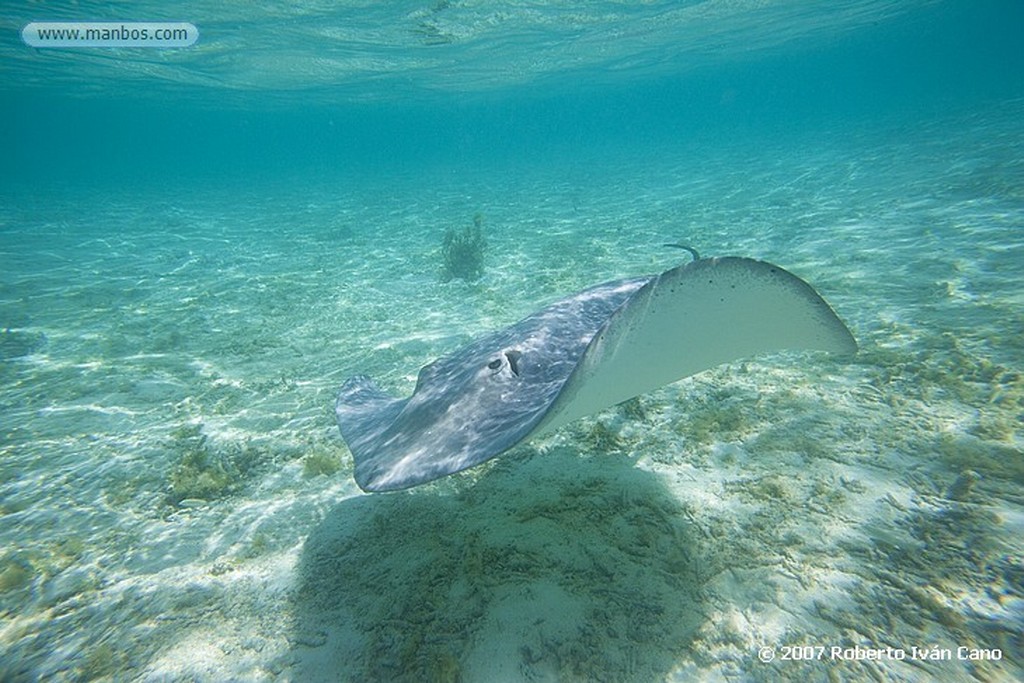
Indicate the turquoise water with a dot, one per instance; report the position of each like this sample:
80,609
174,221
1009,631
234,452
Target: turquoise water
198,246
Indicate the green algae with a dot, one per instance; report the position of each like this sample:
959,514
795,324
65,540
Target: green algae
15,573
321,462
601,438
462,252
987,458
942,364
20,343
709,423
101,662
204,471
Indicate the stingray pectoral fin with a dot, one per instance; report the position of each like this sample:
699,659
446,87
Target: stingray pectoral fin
692,318
365,412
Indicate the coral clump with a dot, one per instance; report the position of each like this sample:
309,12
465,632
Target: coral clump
463,252
203,471
320,462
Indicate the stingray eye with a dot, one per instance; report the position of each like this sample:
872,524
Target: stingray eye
494,364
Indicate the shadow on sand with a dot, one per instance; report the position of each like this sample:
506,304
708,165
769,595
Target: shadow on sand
548,567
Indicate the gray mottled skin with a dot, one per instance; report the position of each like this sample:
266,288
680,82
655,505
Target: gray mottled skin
476,403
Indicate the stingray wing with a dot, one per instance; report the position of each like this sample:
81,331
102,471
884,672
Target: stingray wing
691,318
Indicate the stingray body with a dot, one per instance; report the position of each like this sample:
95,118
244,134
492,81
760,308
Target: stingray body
580,355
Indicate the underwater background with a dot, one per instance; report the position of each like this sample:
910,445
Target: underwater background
199,245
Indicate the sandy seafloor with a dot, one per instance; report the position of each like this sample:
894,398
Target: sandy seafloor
176,502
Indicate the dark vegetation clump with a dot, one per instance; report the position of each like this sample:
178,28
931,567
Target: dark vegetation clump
17,343
205,472
463,252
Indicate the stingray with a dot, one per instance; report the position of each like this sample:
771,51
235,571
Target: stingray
582,354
